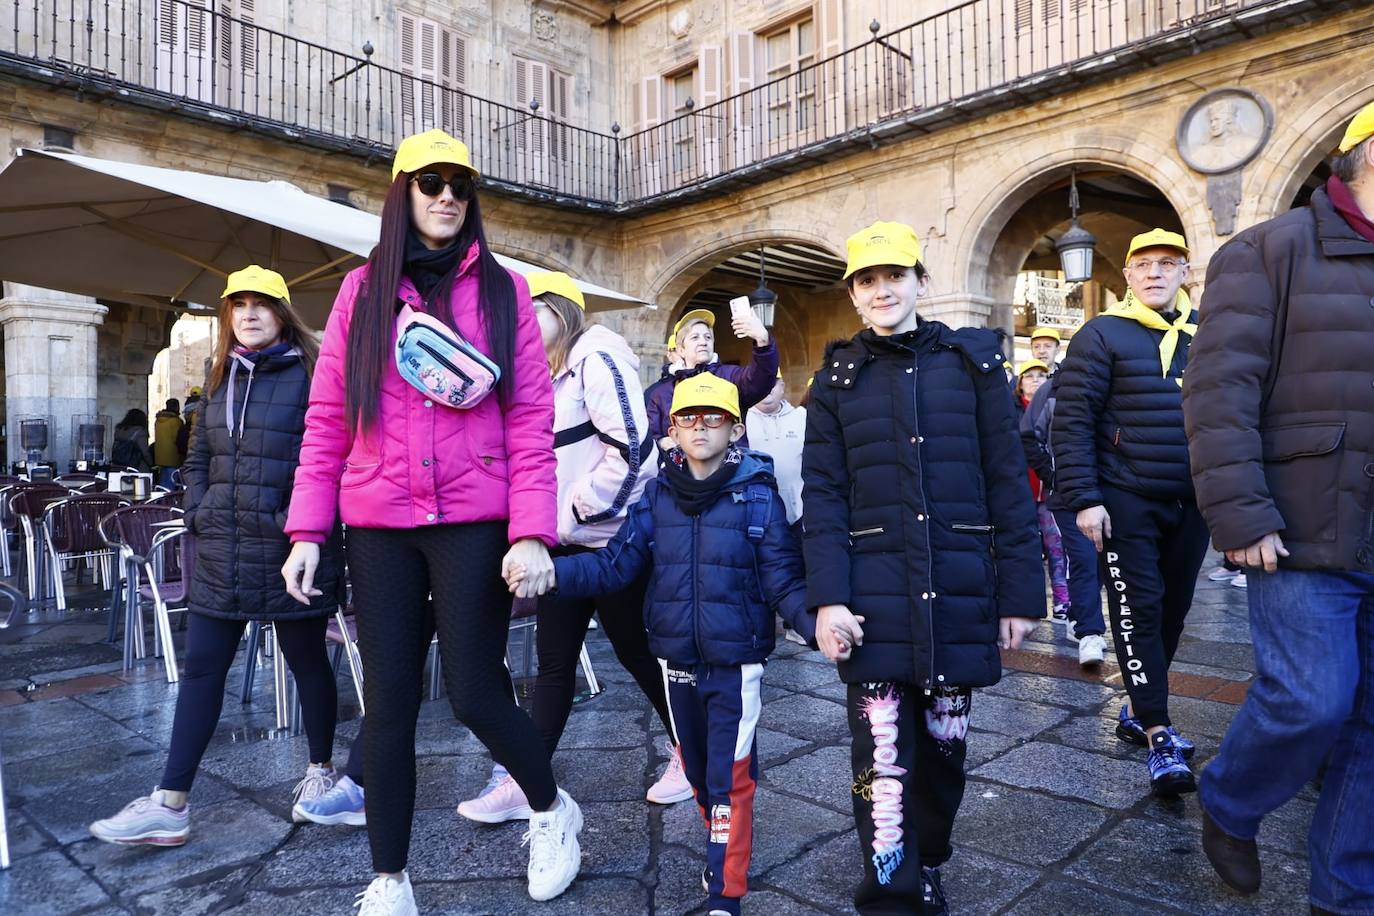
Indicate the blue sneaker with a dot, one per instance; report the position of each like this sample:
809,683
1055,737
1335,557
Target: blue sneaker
1169,773
342,804
1185,747
1129,729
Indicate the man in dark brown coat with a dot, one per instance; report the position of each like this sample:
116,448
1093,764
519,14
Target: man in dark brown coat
1279,406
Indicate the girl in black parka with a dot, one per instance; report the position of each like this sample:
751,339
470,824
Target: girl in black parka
239,472
922,556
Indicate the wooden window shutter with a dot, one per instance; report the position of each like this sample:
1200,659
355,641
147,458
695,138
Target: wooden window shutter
167,13
1050,10
1023,14
711,73
408,60
740,60
248,35
741,113
652,108
453,77
559,95
831,114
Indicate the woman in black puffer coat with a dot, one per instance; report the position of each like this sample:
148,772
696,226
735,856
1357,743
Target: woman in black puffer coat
239,474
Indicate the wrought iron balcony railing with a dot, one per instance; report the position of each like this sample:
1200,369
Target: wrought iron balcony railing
187,56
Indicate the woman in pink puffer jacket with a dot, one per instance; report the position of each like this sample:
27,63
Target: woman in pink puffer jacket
439,501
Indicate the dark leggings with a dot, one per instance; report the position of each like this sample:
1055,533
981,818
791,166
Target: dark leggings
211,644
394,572
561,631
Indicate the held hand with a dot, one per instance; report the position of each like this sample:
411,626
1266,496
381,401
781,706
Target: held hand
299,571
838,631
1264,553
1096,525
750,326
1012,630
528,563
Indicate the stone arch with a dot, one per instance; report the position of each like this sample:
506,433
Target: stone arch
1132,155
1301,143
677,277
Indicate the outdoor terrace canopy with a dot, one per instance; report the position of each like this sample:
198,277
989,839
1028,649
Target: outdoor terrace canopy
154,236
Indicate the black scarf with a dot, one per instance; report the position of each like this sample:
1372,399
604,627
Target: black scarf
427,267
695,496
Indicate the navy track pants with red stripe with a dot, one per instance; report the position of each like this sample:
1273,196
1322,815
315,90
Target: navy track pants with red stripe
715,714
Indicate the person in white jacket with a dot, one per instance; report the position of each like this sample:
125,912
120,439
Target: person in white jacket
778,429
605,456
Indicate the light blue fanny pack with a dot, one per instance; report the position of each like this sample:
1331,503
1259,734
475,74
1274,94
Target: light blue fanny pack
438,362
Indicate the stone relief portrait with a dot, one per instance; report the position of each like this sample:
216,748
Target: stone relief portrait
1223,130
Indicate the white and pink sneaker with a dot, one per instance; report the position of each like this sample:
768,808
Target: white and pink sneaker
672,787
501,800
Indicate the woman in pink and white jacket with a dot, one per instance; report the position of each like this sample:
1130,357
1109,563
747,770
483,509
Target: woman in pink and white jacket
605,454
439,501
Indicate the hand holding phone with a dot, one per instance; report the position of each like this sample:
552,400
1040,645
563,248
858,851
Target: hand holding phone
745,322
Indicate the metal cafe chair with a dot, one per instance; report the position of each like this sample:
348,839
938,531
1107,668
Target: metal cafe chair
130,531
71,533
26,503
17,602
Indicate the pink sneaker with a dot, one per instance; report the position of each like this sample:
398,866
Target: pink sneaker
501,801
672,786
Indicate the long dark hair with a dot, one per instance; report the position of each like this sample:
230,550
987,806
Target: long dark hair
293,331
374,312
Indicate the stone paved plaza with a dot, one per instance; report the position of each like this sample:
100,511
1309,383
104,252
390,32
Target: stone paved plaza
1057,817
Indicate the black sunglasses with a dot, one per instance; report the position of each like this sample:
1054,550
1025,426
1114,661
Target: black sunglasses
712,420
431,184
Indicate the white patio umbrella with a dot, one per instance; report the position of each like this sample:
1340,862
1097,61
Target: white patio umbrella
149,235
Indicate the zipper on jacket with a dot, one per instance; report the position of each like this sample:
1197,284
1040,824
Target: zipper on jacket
865,532
696,606
921,486
976,529
443,361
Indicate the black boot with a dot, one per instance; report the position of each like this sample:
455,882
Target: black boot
933,894
1236,861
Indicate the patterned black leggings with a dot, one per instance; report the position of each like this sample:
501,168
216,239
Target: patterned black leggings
394,572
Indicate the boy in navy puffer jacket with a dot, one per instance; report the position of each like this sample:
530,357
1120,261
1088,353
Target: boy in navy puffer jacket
715,531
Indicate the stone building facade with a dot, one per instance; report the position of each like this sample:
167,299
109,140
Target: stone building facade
660,146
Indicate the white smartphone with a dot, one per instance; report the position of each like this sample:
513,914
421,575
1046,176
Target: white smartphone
740,307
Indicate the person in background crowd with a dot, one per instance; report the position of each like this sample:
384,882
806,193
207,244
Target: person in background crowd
1121,463
190,416
1085,624
167,429
601,440
1031,375
441,492
238,486
778,430
671,364
1044,344
130,447
694,335
913,470
1230,572
714,534
1279,402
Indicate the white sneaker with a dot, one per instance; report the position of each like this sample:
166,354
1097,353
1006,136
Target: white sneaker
1092,651
502,800
1239,581
672,787
316,784
1222,574
388,897
555,855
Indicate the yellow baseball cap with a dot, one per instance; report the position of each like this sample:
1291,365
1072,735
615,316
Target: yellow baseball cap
1361,129
196,391
882,243
255,279
672,341
705,315
1157,238
431,148
1031,364
556,282
1046,332
706,390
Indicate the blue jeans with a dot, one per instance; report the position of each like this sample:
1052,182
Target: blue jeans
1085,588
1313,696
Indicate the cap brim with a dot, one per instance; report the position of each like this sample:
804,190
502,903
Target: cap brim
876,261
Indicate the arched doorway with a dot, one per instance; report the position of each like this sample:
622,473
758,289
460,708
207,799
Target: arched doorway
1023,277
812,305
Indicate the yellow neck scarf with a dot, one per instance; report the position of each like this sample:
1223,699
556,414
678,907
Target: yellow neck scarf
1136,310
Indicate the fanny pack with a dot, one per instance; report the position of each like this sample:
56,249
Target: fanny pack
436,360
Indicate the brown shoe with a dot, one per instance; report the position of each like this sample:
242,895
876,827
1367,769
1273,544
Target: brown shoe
1236,861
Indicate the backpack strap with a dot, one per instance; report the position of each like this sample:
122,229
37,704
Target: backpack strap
758,501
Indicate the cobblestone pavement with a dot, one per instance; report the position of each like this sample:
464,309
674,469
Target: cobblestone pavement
1057,817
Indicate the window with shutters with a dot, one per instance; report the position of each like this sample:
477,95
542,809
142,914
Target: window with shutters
434,61
681,89
542,138
185,61
1023,14
1050,10
790,49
